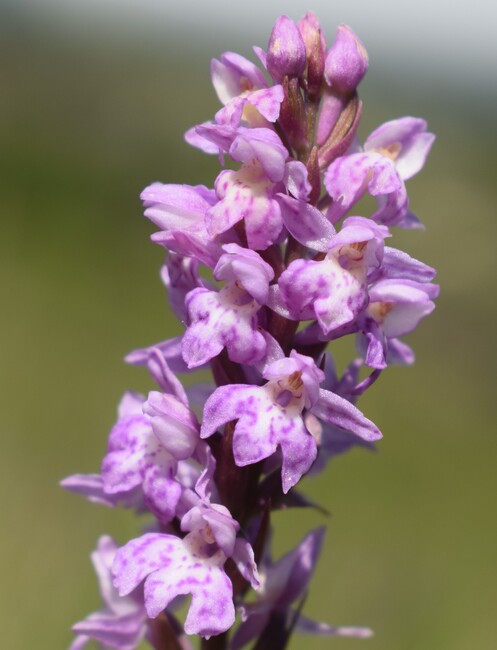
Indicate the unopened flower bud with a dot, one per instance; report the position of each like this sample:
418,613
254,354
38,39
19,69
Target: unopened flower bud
346,62
286,50
315,46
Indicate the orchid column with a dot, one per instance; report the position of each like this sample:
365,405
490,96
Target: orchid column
264,271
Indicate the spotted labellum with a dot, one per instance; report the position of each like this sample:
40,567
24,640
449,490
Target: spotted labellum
265,269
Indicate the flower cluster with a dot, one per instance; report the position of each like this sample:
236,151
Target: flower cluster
264,270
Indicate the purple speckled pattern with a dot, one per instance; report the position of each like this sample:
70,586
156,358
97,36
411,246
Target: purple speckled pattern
224,319
266,268
271,416
171,566
249,195
262,426
348,178
334,290
144,449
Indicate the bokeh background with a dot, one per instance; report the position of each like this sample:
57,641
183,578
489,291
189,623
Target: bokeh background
95,98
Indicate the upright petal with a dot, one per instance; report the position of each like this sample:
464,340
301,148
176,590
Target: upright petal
406,140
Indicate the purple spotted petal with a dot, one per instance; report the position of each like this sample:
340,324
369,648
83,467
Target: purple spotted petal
172,567
262,426
299,287
218,320
227,403
253,439
334,290
211,611
132,444
161,491
323,290
137,459
140,557
349,177
298,448
246,194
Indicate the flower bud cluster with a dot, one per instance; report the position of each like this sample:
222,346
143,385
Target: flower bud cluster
264,270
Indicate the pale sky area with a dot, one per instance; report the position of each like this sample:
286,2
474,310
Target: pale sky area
449,40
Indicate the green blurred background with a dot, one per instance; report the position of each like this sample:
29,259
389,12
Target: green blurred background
88,117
